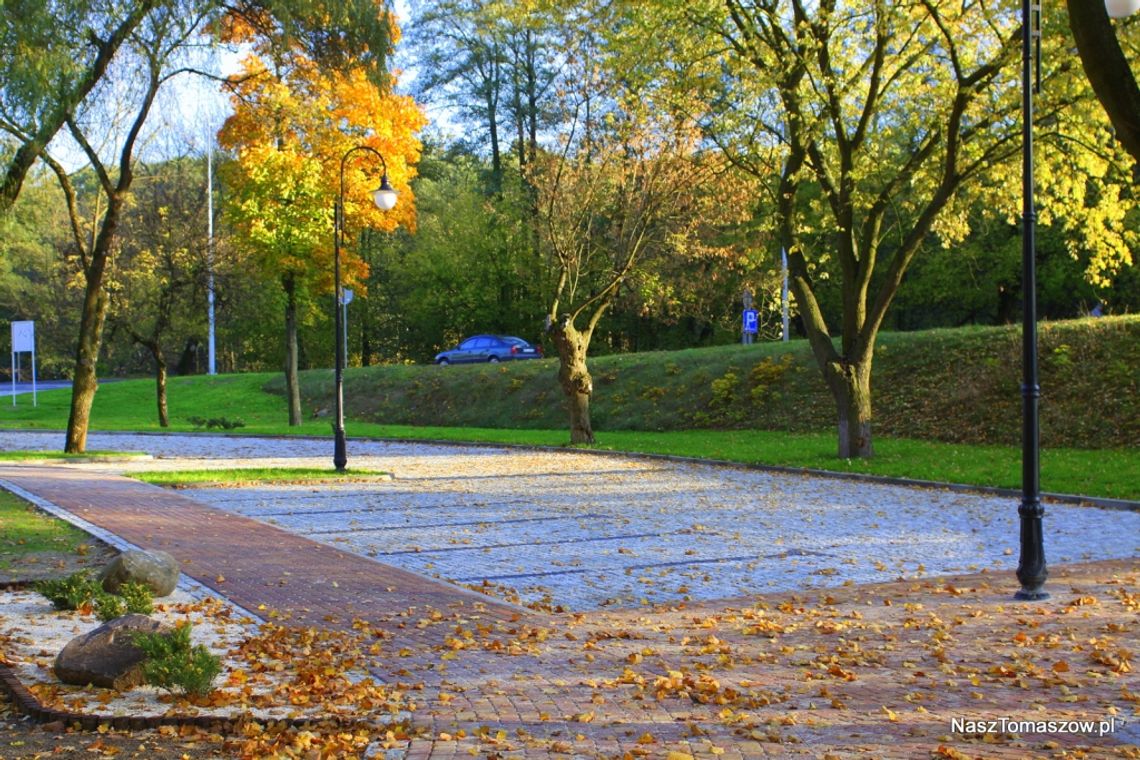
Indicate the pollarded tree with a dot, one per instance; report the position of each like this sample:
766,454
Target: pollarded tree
292,124
624,187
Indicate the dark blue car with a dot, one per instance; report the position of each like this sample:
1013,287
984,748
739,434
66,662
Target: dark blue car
489,348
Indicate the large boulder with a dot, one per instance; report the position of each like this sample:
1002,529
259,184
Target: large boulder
107,655
153,568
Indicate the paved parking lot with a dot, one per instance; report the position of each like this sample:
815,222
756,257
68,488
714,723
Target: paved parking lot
582,531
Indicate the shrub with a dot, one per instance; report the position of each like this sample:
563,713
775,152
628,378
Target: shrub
109,606
215,422
80,590
138,597
70,593
724,390
765,374
174,664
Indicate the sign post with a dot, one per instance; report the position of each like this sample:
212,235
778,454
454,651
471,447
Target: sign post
750,324
23,341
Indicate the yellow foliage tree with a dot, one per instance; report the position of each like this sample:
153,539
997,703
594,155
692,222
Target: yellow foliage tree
293,122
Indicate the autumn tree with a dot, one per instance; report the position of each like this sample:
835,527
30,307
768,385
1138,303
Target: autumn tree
292,123
67,63
54,56
863,122
617,192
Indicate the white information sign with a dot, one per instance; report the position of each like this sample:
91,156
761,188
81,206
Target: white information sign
24,337
23,342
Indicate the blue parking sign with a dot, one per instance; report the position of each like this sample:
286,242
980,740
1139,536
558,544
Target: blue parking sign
750,321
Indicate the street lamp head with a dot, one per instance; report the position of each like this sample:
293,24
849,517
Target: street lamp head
1122,8
384,196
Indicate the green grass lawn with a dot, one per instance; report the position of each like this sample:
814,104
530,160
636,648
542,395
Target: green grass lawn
25,530
129,405
239,476
23,456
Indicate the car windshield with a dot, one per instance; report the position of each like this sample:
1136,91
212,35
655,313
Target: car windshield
514,341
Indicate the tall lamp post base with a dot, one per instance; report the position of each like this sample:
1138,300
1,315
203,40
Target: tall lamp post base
340,450
1031,570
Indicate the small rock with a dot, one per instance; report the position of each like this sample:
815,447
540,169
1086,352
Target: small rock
154,568
106,656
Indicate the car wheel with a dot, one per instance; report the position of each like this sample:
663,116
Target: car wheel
443,362
492,359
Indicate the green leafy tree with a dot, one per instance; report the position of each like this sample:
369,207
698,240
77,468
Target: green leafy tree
470,267
153,295
864,123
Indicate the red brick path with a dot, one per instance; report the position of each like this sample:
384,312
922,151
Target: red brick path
255,565
861,671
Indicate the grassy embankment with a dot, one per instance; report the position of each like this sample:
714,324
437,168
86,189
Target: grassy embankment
947,405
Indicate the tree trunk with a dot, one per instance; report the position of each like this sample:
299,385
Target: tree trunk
850,385
848,379
86,359
155,348
1108,70
91,323
574,376
160,387
292,384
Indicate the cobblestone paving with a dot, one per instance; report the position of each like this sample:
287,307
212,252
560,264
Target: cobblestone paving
850,670
582,532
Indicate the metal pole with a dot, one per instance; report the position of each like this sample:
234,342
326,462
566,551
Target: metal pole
344,325
340,452
340,449
211,365
784,292
1031,570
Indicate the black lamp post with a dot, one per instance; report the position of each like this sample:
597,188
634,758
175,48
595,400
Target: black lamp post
385,198
1031,569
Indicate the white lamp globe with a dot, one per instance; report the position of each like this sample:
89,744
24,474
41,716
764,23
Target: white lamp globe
384,196
1121,8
